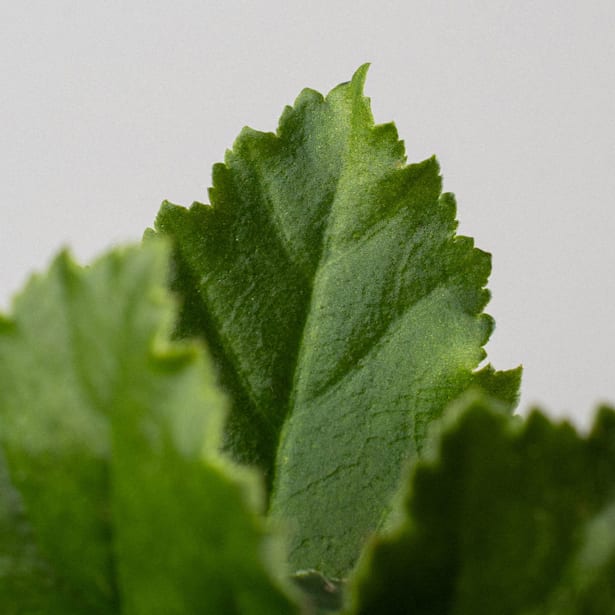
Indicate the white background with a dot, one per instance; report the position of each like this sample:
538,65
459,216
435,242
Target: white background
107,108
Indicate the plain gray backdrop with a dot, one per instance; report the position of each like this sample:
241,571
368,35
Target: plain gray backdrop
107,108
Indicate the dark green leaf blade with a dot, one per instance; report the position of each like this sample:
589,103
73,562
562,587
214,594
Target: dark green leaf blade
343,311
587,585
501,385
498,521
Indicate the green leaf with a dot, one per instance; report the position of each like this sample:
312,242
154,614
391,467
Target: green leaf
509,517
55,440
587,585
500,385
342,311
111,435
27,582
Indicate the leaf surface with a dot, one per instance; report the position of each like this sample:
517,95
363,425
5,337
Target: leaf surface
509,517
56,443
341,308
27,582
587,584
111,434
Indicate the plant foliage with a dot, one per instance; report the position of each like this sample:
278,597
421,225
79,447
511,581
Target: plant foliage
275,404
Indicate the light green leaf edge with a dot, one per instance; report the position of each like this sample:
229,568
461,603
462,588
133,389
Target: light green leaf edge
506,516
115,487
341,309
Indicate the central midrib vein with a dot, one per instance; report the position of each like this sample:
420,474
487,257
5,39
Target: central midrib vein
322,258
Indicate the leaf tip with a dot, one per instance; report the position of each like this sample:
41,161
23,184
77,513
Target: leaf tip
360,75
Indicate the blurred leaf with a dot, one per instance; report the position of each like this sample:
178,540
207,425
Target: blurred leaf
513,518
116,493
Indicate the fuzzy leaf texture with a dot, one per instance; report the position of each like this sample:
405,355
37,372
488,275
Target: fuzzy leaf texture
342,310
510,516
113,498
